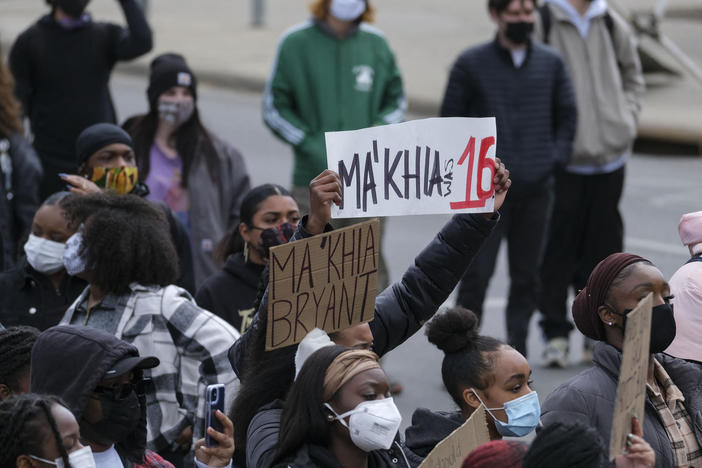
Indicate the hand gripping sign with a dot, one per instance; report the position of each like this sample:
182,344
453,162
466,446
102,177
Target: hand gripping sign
430,166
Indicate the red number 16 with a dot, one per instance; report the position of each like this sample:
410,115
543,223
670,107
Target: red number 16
483,163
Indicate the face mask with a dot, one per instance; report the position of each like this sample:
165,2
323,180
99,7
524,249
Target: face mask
372,424
175,112
347,10
44,255
522,415
278,235
82,458
119,418
663,327
120,179
73,8
518,32
73,258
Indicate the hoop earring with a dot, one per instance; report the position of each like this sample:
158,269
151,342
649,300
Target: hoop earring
246,252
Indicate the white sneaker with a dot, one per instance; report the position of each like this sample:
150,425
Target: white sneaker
556,353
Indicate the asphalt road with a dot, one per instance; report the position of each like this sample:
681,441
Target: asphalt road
658,191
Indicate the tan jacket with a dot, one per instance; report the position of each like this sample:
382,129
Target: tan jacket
608,83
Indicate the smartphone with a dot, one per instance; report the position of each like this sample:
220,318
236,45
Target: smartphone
214,400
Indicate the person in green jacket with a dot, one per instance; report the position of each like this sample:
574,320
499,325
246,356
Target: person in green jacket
333,72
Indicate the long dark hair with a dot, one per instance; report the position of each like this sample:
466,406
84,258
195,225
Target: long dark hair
25,419
303,420
233,242
190,137
125,239
266,375
468,360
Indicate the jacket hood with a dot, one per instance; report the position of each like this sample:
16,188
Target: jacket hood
69,361
246,272
429,428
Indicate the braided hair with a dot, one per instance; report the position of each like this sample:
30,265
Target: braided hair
23,423
15,354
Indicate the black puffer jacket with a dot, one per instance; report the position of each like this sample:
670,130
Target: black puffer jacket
589,397
400,310
20,174
428,429
314,456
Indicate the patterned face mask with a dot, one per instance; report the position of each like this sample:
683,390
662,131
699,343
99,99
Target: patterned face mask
120,179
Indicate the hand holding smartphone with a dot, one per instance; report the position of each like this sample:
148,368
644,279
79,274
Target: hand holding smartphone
214,400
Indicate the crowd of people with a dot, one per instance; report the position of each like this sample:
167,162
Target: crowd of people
134,258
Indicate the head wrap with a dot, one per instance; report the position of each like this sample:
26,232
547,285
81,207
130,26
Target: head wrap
690,230
97,136
593,295
346,366
166,71
502,453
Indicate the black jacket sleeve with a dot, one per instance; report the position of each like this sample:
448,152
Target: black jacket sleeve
26,175
136,39
22,72
457,94
401,309
564,115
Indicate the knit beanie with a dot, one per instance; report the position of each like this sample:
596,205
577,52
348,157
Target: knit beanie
690,230
593,295
168,70
502,453
97,137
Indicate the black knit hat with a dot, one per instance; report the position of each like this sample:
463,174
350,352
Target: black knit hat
168,70
97,137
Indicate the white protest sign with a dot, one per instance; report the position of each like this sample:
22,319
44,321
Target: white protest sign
430,166
631,388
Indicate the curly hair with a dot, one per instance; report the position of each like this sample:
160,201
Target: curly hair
320,10
125,240
25,419
16,345
10,110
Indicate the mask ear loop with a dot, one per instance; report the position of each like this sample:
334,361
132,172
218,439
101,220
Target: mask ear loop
337,416
43,460
489,410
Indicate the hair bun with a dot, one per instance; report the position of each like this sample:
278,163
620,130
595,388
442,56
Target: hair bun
453,330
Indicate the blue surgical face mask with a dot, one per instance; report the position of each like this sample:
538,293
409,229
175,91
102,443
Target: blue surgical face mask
522,415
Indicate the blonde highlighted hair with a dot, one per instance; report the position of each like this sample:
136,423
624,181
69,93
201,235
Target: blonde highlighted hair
320,10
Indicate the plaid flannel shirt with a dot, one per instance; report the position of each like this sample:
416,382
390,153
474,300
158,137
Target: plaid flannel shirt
192,345
676,420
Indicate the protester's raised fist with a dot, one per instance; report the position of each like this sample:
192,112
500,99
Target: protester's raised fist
325,189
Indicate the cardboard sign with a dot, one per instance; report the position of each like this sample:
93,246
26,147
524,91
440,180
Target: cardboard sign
430,166
631,389
451,451
327,281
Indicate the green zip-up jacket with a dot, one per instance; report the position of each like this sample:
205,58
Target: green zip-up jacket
321,83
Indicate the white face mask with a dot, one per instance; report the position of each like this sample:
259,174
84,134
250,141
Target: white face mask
82,458
44,255
347,10
176,112
372,424
72,258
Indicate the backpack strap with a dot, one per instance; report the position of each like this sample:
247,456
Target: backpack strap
545,15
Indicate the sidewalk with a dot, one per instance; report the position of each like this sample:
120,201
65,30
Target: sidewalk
426,36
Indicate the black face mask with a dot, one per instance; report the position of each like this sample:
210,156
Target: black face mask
119,419
278,235
73,8
518,32
662,327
